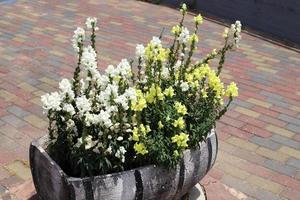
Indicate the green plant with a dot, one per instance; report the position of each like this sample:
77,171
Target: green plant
103,123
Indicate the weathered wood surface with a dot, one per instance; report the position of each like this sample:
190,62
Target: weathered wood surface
144,183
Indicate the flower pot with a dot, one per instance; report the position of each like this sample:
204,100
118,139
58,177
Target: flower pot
148,182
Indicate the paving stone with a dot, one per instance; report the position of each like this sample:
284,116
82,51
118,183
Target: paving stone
280,167
289,119
274,155
286,141
19,169
225,192
249,189
259,102
16,110
242,143
290,151
243,104
233,171
294,162
294,128
35,121
248,112
280,131
265,184
3,173
291,194
279,103
272,95
3,190
11,181
13,120
266,142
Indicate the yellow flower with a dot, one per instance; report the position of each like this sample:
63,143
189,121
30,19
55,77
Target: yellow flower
159,93
140,148
149,52
168,118
162,54
189,77
139,105
180,108
201,72
135,134
179,123
195,84
216,84
176,30
176,154
144,129
155,91
160,125
193,38
232,90
198,19
181,140
204,93
177,75
169,92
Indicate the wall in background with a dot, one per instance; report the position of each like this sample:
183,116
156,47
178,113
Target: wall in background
277,18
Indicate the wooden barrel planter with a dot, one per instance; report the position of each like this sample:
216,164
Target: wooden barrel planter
144,183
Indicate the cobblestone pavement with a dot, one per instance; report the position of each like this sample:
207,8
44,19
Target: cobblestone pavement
259,155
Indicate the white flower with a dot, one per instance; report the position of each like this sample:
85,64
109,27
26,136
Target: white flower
69,108
120,138
90,22
165,72
155,41
122,100
78,37
111,109
177,65
79,142
89,143
225,33
70,124
139,51
89,58
112,71
130,93
103,81
109,150
120,153
83,105
184,35
184,86
51,101
109,137
82,86
124,68
91,119
66,88
104,117
234,33
214,52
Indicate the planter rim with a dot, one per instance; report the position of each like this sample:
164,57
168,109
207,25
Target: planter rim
71,178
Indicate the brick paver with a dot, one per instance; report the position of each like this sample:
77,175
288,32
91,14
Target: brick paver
259,137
